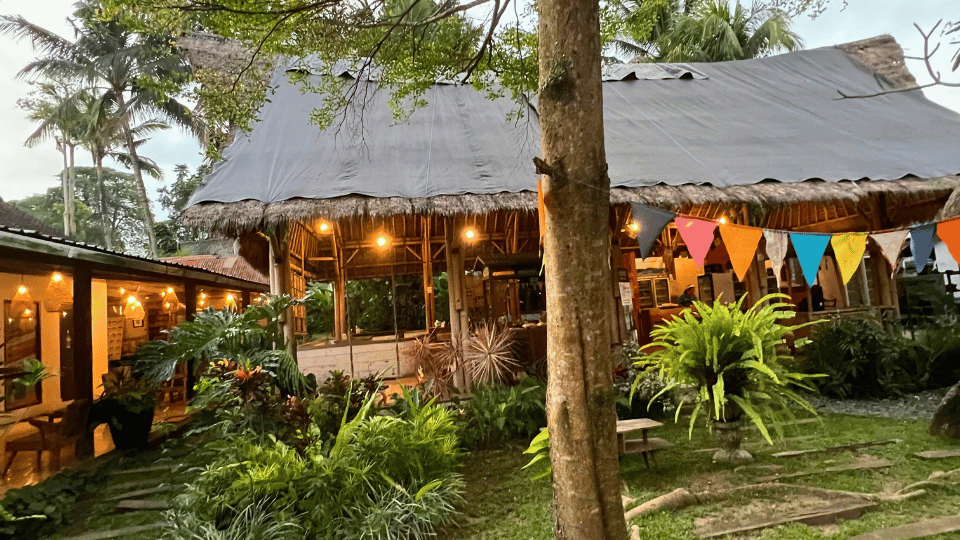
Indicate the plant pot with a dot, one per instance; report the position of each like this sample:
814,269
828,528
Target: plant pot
730,436
129,429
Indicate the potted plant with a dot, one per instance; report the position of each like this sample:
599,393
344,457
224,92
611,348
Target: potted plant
126,406
733,359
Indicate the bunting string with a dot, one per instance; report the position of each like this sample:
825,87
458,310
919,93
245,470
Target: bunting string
743,241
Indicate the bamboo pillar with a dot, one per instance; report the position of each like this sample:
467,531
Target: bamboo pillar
618,327
426,254
629,261
513,286
459,321
281,282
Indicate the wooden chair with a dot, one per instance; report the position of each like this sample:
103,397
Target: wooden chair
60,429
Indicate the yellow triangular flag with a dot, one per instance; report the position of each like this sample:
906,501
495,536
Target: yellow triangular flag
741,243
848,248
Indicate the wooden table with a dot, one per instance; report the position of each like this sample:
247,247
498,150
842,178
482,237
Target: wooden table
644,445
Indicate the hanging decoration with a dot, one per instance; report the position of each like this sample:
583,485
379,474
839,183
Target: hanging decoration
171,302
945,260
949,233
921,244
21,304
698,235
742,243
650,222
848,249
891,243
776,250
809,248
58,293
134,309
230,303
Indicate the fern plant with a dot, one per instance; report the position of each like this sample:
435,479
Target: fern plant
734,359
225,335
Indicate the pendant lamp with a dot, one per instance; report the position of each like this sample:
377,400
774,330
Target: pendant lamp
21,301
134,309
58,293
171,302
230,303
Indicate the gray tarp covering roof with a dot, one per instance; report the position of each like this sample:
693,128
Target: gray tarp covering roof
736,123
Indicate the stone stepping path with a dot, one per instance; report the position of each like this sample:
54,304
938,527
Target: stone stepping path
939,454
152,468
920,529
872,464
141,492
142,504
116,533
834,449
824,515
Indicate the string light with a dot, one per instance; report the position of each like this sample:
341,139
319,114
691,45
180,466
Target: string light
722,220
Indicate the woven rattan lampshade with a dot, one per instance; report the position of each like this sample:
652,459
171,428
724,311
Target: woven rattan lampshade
58,293
21,302
171,302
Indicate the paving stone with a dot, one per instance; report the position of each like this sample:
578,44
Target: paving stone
117,533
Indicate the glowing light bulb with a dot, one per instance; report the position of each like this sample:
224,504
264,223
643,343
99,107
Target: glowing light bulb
26,312
22,289
382,241
633,226
722,220
470,233
324,226
122,290
57,277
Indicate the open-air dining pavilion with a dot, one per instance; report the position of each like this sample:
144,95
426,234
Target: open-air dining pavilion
80,309
763,143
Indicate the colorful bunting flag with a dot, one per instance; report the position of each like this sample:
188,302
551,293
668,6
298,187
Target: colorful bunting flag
809,248
949,233
717,254
921,244
891,243
945,260
651,221
698,235
776,250
741,245
848,249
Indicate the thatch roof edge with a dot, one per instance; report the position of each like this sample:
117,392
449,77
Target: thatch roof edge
233,218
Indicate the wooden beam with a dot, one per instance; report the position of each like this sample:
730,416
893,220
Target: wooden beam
429,310
83,346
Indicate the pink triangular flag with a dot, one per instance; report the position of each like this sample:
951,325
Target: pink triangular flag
698,235
890,244
776,250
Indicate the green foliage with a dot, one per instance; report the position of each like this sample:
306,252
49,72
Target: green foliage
734,359
123,219
123,387
540,450
319,304
371,305
217,335
862,359
497,414
34,372
253,521
39,510
382,476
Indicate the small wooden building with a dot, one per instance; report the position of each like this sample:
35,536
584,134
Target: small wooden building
762,142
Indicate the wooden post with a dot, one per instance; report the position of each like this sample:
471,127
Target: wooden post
244,300
190,313
459,321
426,254
618,327
629,261
83,347
281,282
756,274
513,286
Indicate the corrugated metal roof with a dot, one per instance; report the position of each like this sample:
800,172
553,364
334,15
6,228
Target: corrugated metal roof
235,266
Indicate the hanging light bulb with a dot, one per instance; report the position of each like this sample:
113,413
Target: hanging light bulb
171,303
134,310
57,293
324,226
383,241
470,234
21,301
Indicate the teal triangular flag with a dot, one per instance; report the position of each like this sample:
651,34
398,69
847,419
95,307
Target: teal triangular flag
921,244
651,221
809,248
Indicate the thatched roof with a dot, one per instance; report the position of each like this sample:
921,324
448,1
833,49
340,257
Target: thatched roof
882,55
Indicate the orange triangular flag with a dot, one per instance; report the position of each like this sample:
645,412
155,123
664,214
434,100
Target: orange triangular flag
741,243
848,249
949,233
541,210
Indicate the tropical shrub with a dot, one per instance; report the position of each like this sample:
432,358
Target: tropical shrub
497,414
382,477
39,510
863,360
734,359
629,372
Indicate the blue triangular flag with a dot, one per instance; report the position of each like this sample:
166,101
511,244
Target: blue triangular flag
650,221
809,248
921,244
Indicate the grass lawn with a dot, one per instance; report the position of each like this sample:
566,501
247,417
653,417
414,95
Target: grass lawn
503,502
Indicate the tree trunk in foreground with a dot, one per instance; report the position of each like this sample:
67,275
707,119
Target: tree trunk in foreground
580,397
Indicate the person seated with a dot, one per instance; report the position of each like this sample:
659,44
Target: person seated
687,298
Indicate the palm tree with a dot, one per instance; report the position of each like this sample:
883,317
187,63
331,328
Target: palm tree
121,66
55,106
714,32
699,31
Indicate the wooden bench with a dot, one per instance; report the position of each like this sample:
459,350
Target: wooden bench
645,445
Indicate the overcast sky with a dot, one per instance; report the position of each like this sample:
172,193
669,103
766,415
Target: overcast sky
31,170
